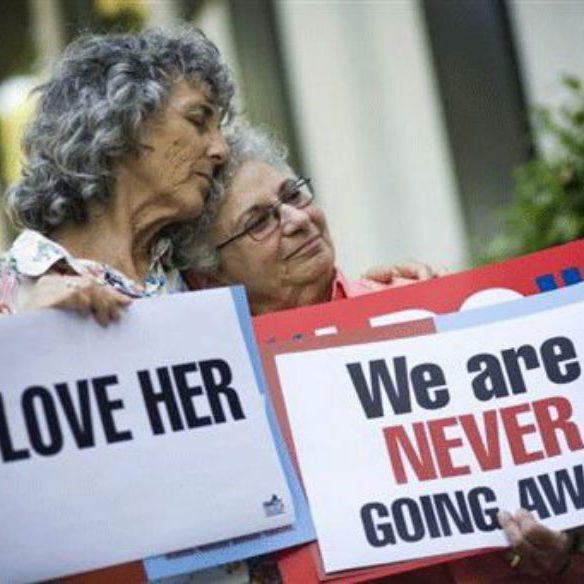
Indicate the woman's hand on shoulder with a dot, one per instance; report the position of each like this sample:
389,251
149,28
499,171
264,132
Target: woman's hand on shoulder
535,549
79,293
409,271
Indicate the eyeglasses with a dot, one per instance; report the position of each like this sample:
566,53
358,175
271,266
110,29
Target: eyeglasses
264,221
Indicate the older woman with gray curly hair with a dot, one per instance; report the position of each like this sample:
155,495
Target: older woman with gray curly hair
124,146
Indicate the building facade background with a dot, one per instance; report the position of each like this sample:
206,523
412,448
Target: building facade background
409,115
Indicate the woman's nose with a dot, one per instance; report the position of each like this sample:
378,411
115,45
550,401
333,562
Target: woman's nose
293,219
218,149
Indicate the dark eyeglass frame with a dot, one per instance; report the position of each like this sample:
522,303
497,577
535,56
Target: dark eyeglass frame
300,182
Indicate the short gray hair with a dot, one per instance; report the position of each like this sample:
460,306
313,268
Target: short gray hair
246,143
92,111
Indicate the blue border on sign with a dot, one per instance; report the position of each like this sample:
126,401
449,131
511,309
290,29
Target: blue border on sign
302,531
510,309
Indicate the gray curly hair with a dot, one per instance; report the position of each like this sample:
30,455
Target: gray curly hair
246,143
92,111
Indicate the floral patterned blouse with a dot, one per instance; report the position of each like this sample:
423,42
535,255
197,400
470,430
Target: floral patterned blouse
33,255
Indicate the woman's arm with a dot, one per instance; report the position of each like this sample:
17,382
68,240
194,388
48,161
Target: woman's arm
409,270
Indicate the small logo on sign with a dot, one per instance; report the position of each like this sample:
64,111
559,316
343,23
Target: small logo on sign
274,506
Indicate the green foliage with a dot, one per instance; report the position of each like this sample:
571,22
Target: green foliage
548,207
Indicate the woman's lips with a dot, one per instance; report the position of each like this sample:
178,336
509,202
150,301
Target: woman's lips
307,248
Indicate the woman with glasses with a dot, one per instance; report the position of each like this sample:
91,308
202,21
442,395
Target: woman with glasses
267,233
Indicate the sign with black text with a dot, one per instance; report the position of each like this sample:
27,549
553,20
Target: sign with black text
409,447
146,437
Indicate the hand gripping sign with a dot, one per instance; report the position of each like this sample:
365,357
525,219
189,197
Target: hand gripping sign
540,272
148,437
409,447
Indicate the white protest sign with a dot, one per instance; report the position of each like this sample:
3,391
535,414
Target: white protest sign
146,437
409,447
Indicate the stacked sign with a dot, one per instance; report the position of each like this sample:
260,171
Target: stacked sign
419,415
147,437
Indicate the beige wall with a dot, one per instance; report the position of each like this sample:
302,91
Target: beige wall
372,131
550,42
368,114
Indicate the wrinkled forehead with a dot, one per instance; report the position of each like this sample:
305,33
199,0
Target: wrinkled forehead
185,94
256,180
209,94
254,184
